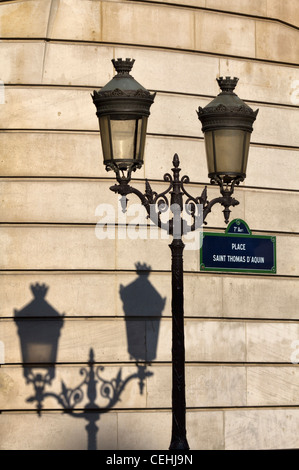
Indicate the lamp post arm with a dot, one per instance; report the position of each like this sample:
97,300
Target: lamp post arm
225,201
155,204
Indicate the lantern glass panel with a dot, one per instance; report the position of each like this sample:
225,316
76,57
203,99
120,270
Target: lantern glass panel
106,137
227,151
123,140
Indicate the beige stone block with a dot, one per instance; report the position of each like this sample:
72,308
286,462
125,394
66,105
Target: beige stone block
277,42
68,247
205,430
51,154
98,294
55,247
261,81
150,246
147,24
215,386
148,430
287,255
21,62
107,338
71,293
49,108
161,150
272,386
12,16
55,201
215,341
261,429
173,71
283,11
83,64
271,341
75,201
272,212
83,20
55,431
206,341
68,201
80,154
175,115
224,34
15,391
56,108
189,3
61,154
258,297
276,126
206,386
78,64
152,431
203,295
251,7
265,168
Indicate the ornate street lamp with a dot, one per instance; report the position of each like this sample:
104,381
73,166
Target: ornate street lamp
227,125
123,108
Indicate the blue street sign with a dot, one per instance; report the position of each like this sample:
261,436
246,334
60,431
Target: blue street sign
238,250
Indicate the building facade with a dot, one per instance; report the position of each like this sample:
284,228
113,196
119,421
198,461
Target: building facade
104,299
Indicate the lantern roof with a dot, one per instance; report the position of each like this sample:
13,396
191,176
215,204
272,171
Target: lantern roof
123,80
123,94
38,307
227,109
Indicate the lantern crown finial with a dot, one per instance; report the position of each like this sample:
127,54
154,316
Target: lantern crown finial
123,66
227,84
39,290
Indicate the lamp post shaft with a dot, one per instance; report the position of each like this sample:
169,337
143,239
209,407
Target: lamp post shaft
177,228
178,438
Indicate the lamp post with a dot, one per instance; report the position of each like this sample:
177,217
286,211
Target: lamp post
123,109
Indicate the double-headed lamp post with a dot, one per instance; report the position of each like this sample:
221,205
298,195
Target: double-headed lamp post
123,107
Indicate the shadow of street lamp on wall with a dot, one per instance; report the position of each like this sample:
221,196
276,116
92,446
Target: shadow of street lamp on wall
142,302
123,108
39,326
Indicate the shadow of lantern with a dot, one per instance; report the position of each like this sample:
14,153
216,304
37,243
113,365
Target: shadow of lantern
39,326
143,302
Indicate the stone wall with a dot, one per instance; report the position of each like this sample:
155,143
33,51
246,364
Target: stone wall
241,383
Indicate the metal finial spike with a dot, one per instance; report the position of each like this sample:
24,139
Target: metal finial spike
91,355
204,196
148,188
124,203
176,160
